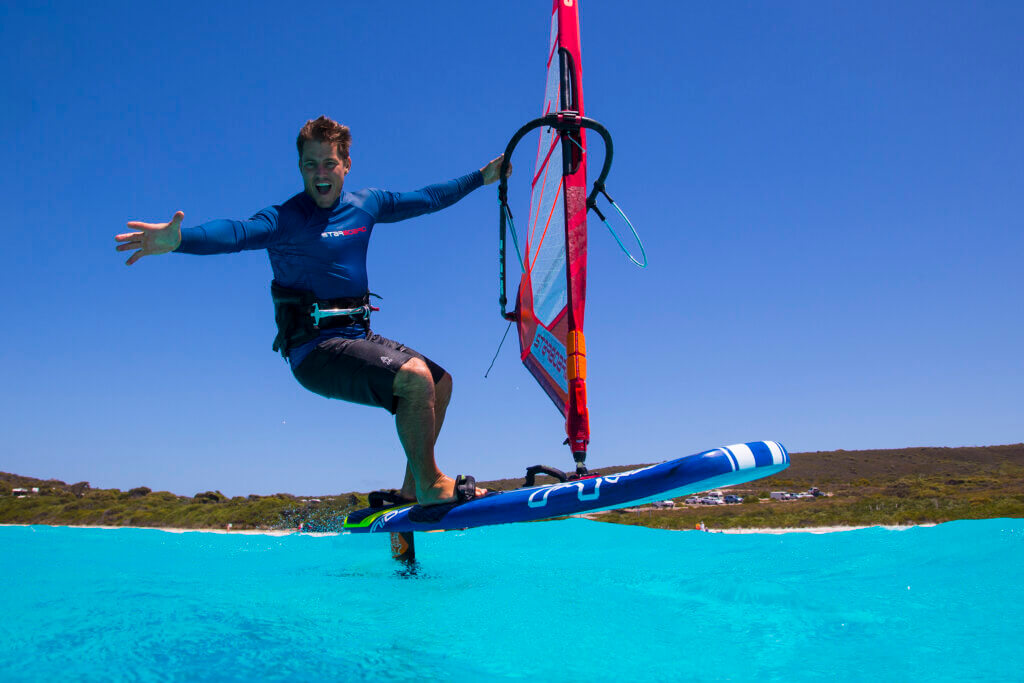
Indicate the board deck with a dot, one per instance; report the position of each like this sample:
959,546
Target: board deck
725,466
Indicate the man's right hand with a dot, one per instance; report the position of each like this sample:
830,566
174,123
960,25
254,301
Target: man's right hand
151,238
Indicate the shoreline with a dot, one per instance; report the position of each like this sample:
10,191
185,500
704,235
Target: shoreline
289,532
790,530
821,529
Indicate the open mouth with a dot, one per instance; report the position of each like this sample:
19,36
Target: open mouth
323,188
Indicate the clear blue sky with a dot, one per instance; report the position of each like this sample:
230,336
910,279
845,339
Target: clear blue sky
830,194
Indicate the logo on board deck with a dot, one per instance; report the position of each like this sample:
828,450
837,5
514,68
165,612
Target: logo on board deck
586,489
385,360
381,521
344,233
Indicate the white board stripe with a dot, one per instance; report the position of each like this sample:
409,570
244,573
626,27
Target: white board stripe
744,456
730,458
777,457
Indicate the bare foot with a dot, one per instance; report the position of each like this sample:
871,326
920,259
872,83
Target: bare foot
442,490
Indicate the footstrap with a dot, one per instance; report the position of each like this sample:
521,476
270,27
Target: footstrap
465,488
388,498
532,472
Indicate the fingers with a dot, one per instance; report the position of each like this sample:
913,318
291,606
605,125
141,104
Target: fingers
501,158
492,170
150,238
175,221
139,225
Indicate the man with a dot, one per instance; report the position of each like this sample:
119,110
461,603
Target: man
317,243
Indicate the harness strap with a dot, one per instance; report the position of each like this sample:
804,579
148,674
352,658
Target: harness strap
300,316
319,314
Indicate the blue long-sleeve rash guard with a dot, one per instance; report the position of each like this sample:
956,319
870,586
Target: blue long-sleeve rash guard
323,250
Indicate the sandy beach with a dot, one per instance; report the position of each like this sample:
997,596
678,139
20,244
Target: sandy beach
286,532
819,529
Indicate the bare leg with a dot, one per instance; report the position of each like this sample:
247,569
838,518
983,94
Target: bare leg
420,414
442,396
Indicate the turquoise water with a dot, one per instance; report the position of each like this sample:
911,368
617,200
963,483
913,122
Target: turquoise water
559,601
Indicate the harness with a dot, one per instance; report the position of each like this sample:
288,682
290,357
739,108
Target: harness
300,316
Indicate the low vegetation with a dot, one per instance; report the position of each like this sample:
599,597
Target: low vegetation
81,505
906,486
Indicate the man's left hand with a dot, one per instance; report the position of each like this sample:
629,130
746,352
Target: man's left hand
491,170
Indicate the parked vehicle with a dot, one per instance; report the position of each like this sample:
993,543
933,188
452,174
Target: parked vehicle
692,501
664,504
733,499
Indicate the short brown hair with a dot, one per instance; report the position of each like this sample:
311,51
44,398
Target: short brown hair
324,129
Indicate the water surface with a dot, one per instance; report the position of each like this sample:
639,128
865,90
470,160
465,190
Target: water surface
558,601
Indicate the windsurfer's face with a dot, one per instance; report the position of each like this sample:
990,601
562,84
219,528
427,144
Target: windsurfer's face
323,172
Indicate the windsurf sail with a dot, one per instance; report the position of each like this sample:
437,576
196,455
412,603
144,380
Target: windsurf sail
552,254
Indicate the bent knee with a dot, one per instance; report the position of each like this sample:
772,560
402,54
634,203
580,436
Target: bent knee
416,366
413,377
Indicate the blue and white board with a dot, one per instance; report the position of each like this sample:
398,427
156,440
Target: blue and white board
712,469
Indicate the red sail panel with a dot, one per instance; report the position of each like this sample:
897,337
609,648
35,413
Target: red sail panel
552,292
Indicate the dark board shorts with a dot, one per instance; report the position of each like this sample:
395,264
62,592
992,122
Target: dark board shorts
359,370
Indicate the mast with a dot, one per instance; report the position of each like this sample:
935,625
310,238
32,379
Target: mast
574,173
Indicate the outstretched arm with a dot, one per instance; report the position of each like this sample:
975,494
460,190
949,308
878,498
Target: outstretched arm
399,206
151,238
221,236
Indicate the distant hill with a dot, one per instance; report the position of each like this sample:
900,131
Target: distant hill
10,481
843,470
